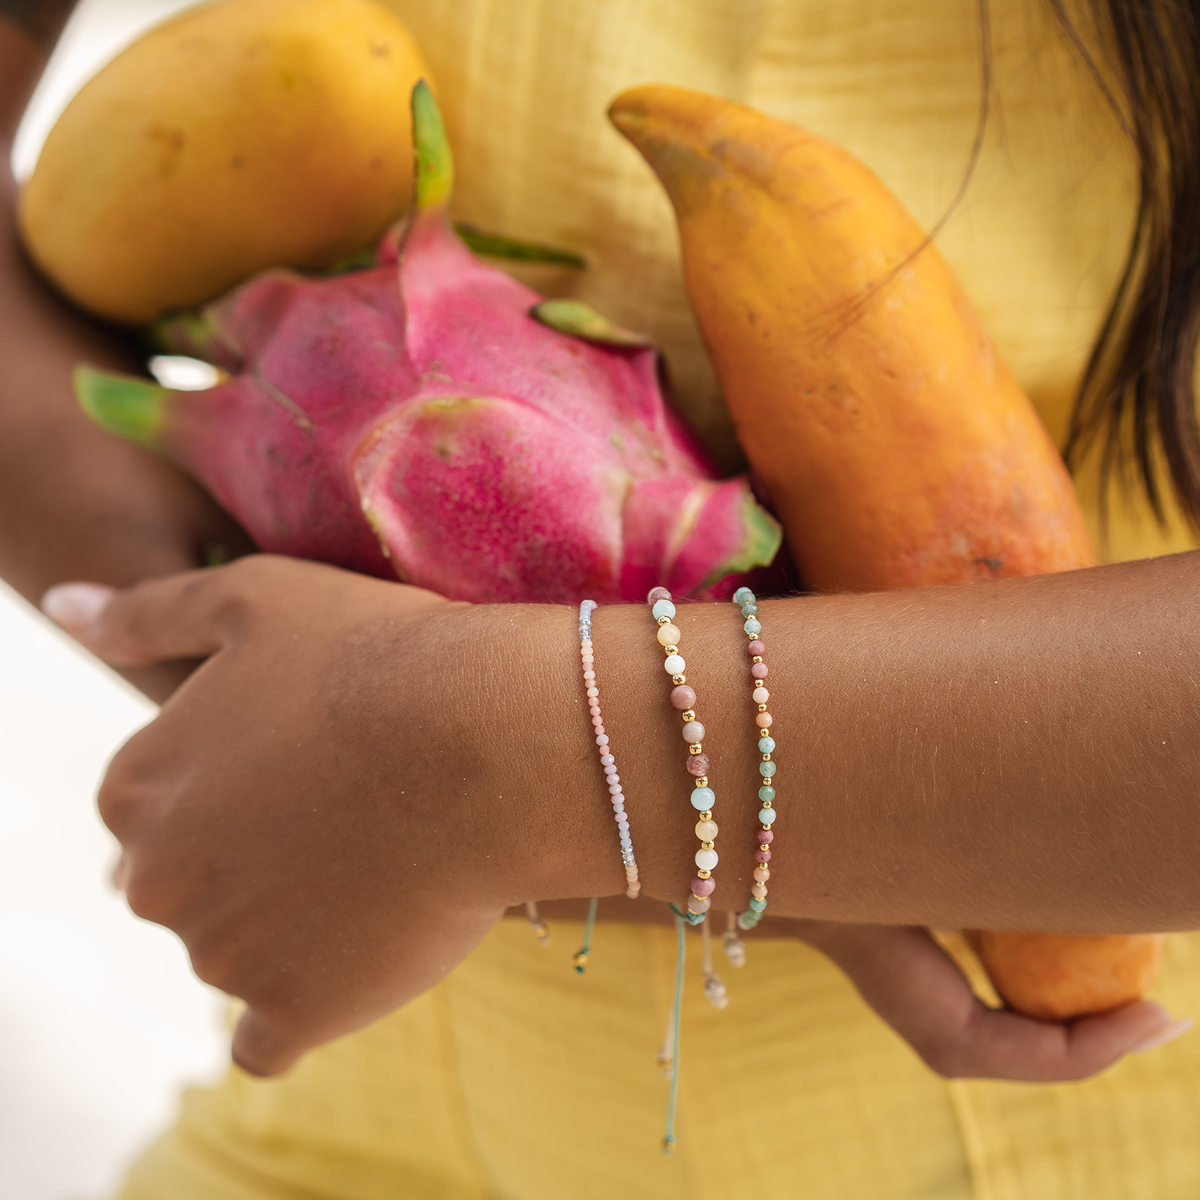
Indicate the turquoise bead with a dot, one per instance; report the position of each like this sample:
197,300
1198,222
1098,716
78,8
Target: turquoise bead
766,792
703,798
753,626
767,815
766,745
758,905
766,769
743,596
750,610
662,608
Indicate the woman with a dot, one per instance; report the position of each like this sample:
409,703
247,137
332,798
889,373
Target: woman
320,811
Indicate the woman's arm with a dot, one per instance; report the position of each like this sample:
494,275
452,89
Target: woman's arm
74,501
363,776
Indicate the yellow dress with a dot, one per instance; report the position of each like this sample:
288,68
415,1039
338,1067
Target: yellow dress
516,1078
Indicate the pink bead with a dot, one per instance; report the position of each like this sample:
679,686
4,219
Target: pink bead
697,764
760,695
756,648
704,887
762,856
758,670
759,891
764,720
683,698
658,593
762,874
598,726
607,760
766,837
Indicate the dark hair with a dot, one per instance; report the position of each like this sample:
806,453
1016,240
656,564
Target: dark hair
1137,398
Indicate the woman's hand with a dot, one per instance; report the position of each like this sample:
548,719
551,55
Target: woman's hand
313,811
918,989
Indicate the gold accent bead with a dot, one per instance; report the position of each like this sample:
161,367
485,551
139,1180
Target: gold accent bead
764,845
762,708
768,804
702,781
671,649
688,715
757,658
678,679
706,815
766,758
696,748
704,874
664,620
708,845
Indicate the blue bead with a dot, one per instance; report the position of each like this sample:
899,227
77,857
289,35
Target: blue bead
703,798
758,905
662,608
747,921
750,609
767,815
766,769
766,792
753,626
766,745
742,595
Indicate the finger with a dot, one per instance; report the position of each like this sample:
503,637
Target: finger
176,617
918,989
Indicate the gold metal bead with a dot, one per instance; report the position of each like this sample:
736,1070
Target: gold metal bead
664,620
762,708
708,845
702,781
706,815
764,845
688,715
768,804
757,658
671,649
696,748
704,874
766,758
677,679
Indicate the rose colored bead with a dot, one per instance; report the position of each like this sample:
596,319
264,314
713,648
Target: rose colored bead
756,648
704,887
766,837
758,892
762,874
658,593
762,856
598,721
758,670
683,698
764,720
697,764
760,695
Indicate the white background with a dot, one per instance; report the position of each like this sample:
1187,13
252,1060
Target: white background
101,1021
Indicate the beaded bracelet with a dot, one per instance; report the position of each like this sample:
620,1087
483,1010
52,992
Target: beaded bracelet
766,768
683,698
607,761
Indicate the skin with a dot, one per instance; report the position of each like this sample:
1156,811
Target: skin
318,810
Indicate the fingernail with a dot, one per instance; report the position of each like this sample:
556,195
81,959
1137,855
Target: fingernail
1167,1034
76,605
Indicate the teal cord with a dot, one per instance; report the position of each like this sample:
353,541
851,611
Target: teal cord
673,1099
581,955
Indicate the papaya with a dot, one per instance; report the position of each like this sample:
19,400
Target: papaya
236,136
893,443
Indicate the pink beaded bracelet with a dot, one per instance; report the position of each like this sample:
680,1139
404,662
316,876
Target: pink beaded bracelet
702,798
607,760
763,720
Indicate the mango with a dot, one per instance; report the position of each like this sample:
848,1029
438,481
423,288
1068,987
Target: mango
239,135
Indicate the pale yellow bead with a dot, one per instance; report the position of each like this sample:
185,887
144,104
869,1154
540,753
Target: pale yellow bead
706,831
668,635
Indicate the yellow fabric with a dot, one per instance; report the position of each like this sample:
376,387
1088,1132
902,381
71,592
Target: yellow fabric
517,1079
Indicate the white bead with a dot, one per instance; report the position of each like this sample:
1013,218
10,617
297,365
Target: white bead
673,664
706,859
693,732
760,695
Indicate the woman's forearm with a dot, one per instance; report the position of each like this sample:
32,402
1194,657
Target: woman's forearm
1021,754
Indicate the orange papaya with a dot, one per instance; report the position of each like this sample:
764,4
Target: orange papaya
895,446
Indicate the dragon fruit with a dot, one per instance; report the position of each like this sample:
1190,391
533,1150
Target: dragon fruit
432,420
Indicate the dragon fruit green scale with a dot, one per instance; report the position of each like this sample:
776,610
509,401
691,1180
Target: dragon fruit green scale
429,420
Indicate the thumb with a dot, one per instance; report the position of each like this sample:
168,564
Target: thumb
156,621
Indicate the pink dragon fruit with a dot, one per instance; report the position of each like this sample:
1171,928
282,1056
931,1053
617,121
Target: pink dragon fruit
451,432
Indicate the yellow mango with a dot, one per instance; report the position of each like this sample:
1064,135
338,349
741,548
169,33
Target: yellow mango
239,135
